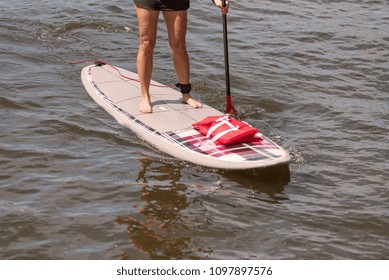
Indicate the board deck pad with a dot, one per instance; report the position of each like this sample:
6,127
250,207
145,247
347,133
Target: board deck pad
169,127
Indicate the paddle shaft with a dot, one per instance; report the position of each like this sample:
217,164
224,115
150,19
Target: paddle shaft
226,62
229,107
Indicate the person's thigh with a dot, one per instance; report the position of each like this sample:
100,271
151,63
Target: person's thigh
176,22
147,23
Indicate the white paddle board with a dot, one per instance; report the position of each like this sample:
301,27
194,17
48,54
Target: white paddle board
169,127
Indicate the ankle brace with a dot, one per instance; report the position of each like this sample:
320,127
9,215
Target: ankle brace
185,88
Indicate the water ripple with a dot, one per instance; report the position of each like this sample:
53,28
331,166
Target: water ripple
75,184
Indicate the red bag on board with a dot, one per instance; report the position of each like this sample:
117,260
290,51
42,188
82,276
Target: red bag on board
226,130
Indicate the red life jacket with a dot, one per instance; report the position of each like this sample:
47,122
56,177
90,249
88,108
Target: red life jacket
226,130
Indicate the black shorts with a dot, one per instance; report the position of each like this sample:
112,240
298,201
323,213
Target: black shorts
163,5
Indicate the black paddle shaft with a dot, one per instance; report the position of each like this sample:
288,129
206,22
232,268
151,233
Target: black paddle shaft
226,63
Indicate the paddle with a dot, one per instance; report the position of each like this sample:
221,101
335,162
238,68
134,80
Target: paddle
229,107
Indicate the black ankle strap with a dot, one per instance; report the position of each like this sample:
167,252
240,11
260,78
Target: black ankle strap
185,88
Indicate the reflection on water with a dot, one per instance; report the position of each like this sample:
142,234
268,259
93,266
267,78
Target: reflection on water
163,227
267,184
158,231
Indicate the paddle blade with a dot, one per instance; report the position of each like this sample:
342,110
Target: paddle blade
229,107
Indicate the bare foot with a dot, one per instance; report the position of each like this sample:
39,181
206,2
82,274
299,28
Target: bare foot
190,101
145,105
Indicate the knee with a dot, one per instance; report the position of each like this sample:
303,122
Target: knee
178,47
146,45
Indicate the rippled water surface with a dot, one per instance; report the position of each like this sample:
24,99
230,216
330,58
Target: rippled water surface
313,75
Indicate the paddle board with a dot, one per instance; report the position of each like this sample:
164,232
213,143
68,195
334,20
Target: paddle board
169,127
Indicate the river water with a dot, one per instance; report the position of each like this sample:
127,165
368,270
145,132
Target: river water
313,75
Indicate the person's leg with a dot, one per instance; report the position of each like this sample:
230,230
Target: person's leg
147,22
176,22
